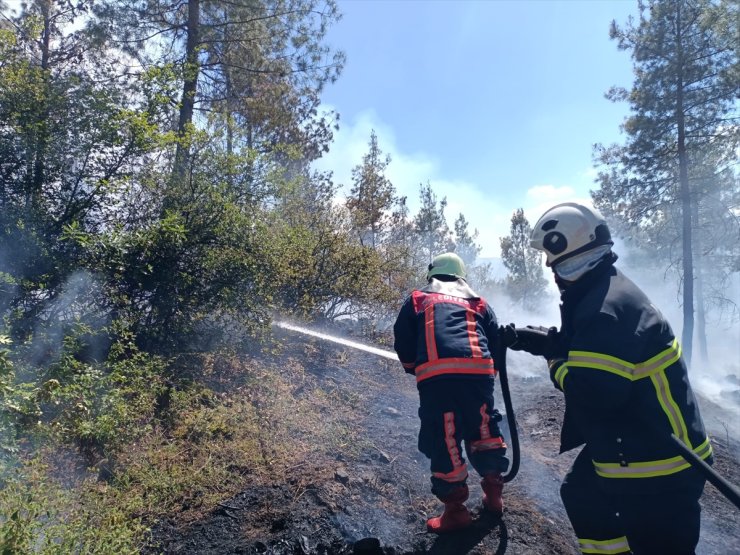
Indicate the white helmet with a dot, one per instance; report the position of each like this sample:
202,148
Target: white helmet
567,230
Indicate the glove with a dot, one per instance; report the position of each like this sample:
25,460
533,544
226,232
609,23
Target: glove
535,340
507,336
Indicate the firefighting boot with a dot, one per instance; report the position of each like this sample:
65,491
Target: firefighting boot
455,515
493,485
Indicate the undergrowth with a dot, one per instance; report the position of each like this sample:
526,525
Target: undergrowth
116,449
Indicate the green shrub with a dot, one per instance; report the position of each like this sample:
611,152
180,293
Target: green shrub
39,516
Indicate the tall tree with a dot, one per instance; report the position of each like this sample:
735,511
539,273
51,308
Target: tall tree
430,226
682,104
525,281
260,64
68,134
372,195
466,245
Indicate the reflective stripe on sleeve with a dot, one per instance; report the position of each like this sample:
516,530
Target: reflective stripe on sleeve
650,469
605,547
560,374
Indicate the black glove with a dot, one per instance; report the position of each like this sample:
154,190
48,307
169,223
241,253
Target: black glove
507,336
535,340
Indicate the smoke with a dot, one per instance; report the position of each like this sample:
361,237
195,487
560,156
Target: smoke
76,309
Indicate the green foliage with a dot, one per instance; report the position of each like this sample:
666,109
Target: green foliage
525,283
321,270
161,209
371,196
465,241
430,226
39,516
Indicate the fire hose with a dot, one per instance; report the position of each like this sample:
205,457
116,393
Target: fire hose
510,417
725,488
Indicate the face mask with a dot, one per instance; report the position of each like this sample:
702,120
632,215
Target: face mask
574,268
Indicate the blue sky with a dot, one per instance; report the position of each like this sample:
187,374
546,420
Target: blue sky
496,103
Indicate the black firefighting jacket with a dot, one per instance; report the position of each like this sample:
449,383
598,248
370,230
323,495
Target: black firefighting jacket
445,330
626,385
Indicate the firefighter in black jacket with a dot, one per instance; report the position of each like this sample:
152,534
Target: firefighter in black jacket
626,390
445,335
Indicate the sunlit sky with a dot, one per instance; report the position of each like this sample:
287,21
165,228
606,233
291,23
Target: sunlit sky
496,103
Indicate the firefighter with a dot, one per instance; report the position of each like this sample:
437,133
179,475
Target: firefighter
626,390
445,335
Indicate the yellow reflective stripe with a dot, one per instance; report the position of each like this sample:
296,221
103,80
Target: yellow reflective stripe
650,469
623,368
653,368
659,362
607,547
601,362
560,374
666,400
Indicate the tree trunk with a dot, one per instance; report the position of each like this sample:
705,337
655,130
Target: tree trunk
189,88
39,155
701,319
685,196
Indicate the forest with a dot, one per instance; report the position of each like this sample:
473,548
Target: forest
160,208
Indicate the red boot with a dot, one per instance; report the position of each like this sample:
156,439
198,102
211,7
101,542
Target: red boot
493,485
455,515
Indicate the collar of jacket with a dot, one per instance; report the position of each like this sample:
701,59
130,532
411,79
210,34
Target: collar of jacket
572,292
458,288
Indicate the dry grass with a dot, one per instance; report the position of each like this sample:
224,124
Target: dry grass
272,424
240,424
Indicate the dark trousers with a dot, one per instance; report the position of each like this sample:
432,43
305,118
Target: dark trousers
456,411
660,523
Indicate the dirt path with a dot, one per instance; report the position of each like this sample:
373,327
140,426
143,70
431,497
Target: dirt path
374,498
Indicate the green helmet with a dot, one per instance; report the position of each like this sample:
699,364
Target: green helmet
447,264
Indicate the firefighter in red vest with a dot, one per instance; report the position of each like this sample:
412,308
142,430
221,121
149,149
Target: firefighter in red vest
445,335
626,388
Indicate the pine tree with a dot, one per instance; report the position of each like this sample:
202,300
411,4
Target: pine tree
372,195
431,231
465,242
525,281
258,66
682,101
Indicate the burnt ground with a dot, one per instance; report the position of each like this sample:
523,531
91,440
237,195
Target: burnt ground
374,498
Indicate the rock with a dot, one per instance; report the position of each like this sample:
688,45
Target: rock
383,456
341,476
